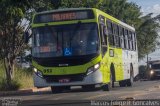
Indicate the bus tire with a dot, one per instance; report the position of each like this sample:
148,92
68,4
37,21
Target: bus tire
130,81
122,83
105,87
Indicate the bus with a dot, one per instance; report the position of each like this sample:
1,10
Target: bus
82,47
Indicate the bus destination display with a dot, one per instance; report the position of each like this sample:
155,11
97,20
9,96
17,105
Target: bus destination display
63,16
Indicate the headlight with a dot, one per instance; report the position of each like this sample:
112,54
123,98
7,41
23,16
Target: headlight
93,68
151,72
37,72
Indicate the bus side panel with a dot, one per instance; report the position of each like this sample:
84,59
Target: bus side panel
126,64
118,64
105,68
130,57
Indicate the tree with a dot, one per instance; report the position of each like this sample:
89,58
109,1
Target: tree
11,33
147,34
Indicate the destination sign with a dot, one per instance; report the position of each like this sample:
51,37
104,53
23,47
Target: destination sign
64,16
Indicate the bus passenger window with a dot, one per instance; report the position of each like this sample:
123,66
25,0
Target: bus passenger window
122,37
131,40
126,39
117,36
110,32
135,42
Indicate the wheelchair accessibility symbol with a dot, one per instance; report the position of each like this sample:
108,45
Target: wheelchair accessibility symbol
67,52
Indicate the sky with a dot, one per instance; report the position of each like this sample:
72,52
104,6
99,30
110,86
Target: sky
149,6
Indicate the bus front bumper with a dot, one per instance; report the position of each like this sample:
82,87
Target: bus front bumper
93,78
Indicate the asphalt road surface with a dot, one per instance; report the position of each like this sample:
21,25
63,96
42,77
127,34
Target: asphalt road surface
77,97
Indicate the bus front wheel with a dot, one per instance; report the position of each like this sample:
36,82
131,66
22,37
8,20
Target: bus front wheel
122,83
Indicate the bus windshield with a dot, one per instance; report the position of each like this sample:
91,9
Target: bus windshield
65,40
156,66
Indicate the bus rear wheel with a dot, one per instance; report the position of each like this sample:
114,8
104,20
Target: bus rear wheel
122,83
129,82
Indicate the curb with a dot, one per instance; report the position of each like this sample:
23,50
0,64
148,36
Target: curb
23,91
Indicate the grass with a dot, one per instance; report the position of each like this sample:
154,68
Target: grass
22,79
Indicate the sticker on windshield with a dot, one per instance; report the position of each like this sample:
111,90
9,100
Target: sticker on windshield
67,52
44,49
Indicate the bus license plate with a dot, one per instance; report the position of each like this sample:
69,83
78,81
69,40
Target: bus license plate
64,80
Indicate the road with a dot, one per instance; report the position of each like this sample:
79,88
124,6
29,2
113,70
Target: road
140,90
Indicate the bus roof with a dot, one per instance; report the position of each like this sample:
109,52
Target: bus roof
99,11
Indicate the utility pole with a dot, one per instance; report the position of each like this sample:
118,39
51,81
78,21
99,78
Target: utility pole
148,71
147,62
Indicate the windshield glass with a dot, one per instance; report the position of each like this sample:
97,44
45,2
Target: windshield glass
67,40
155,66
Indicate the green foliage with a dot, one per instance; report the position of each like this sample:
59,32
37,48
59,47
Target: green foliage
11,32
24,77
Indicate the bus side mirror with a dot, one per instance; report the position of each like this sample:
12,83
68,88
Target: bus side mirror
26,37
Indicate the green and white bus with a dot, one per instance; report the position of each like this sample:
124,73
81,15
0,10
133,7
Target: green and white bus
82,47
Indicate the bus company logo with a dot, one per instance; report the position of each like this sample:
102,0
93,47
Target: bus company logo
63,65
